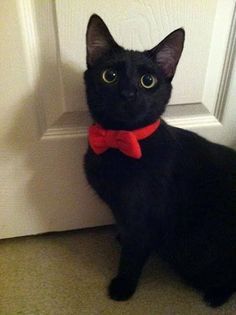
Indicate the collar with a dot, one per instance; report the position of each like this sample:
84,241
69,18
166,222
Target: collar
146,131
101,139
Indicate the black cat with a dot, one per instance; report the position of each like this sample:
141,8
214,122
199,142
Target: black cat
178,196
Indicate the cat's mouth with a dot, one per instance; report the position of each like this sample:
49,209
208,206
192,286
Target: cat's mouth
122,115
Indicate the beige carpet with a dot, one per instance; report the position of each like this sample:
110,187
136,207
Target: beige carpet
68,273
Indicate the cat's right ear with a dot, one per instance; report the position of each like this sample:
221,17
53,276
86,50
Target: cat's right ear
167,53
98,39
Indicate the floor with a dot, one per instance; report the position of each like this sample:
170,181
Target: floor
68,273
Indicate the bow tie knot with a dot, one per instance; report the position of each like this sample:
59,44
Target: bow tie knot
114,139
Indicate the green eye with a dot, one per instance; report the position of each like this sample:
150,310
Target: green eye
109,76
148,81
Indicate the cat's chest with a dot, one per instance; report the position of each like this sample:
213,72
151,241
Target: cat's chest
111,172
111,166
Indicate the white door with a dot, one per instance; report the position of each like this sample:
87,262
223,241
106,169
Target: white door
44,118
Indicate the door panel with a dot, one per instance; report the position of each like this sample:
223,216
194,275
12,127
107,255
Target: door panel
44,115
141,25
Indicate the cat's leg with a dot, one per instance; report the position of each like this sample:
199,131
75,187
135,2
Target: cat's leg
215,297
134,253
118,238
223,277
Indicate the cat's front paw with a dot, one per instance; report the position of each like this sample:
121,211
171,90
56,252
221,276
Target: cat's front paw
121,289
216,298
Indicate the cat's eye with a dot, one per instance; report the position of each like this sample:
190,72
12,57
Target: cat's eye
148,81
109,76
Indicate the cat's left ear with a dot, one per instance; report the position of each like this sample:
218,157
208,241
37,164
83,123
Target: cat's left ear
167,53
98,39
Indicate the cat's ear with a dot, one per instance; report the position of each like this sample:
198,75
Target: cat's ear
98,39
167,53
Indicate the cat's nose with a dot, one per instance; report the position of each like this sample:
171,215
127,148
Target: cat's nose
128,94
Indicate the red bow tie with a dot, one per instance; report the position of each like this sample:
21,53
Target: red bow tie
101,139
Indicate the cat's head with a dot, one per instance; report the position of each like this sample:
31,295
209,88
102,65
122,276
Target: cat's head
128,89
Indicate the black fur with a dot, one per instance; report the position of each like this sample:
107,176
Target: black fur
180,197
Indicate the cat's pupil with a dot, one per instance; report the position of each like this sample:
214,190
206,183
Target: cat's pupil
147,79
